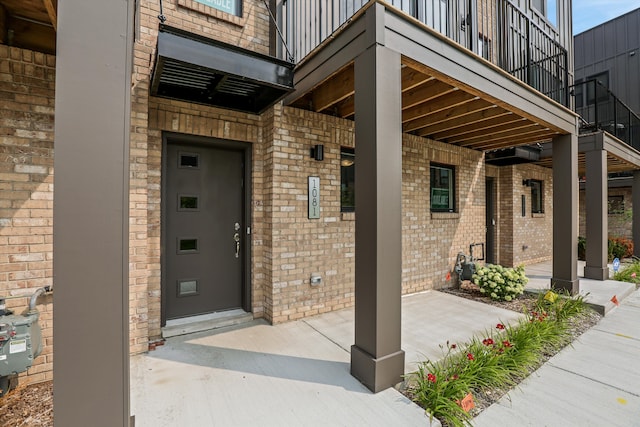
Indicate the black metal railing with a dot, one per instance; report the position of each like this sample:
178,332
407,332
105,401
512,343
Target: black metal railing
600,109
493,29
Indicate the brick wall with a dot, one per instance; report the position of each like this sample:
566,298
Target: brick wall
151,116
620,224
524,239
27,83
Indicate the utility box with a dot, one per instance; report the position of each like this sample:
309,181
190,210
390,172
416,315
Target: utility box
20,344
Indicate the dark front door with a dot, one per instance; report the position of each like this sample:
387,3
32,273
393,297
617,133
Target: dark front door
490,220
203,231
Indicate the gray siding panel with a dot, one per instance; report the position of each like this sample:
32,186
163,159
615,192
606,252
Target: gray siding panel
615,47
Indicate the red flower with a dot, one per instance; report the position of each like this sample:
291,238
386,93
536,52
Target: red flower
507,343
453,346
501,350
470,356
500,326
431,377
488,341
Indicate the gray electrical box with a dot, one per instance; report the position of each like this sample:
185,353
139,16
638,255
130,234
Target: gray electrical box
20,344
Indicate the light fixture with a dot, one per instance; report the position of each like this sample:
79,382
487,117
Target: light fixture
526,182
345,163
317,152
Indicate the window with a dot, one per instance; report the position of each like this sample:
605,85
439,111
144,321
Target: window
537,199
616,204
442,186
347,180
548,9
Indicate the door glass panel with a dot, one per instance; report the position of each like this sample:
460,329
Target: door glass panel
188,160
187,288
187,203
187,245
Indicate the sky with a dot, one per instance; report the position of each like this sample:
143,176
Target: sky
590,13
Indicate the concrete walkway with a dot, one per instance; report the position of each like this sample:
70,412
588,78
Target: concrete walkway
294,374
297,374
595,382
598,292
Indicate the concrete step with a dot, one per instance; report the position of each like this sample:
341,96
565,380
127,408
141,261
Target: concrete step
600,293
205,322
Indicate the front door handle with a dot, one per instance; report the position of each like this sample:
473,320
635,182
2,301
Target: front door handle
236,238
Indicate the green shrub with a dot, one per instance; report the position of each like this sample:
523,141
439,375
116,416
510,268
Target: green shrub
500,283
617,247
630,273
498,359
622,247
582,248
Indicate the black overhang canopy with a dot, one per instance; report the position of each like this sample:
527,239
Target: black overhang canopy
197,69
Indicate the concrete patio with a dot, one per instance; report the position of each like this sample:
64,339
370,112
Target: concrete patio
297,373
294,374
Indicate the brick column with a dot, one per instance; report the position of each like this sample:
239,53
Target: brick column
565,213
376,357
596,229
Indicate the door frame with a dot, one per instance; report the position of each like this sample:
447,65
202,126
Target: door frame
490,214
210,142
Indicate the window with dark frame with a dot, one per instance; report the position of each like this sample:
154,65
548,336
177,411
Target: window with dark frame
442,188
347,180
537,196
615,205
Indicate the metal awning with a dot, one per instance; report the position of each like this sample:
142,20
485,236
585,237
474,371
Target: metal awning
196,69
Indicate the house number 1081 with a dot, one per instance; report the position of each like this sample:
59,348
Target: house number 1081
314,197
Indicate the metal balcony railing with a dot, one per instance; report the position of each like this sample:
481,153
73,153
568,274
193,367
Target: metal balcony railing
493,29
600,109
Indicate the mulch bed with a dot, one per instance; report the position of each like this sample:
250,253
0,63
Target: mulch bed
523,304
28,406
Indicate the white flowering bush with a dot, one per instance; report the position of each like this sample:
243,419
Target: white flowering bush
500,283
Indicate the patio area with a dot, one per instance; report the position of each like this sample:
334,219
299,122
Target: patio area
296,373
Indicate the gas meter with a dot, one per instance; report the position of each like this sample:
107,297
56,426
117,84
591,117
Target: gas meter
20,341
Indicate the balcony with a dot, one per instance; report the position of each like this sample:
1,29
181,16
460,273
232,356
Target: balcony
600,109
495,30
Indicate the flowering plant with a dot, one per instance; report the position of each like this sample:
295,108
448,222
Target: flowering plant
500,283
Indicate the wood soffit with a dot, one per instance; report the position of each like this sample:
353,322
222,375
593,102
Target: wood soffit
29,24
614,164
437,108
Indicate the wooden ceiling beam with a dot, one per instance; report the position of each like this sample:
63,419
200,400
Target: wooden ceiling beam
412,78
483,120
471,89
337,88
440,103
464,121
469,107
511,141
51,11
506,129
425,93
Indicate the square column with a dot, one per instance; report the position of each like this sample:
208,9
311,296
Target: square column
565,213
91,213
376,357
635,196
597,226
